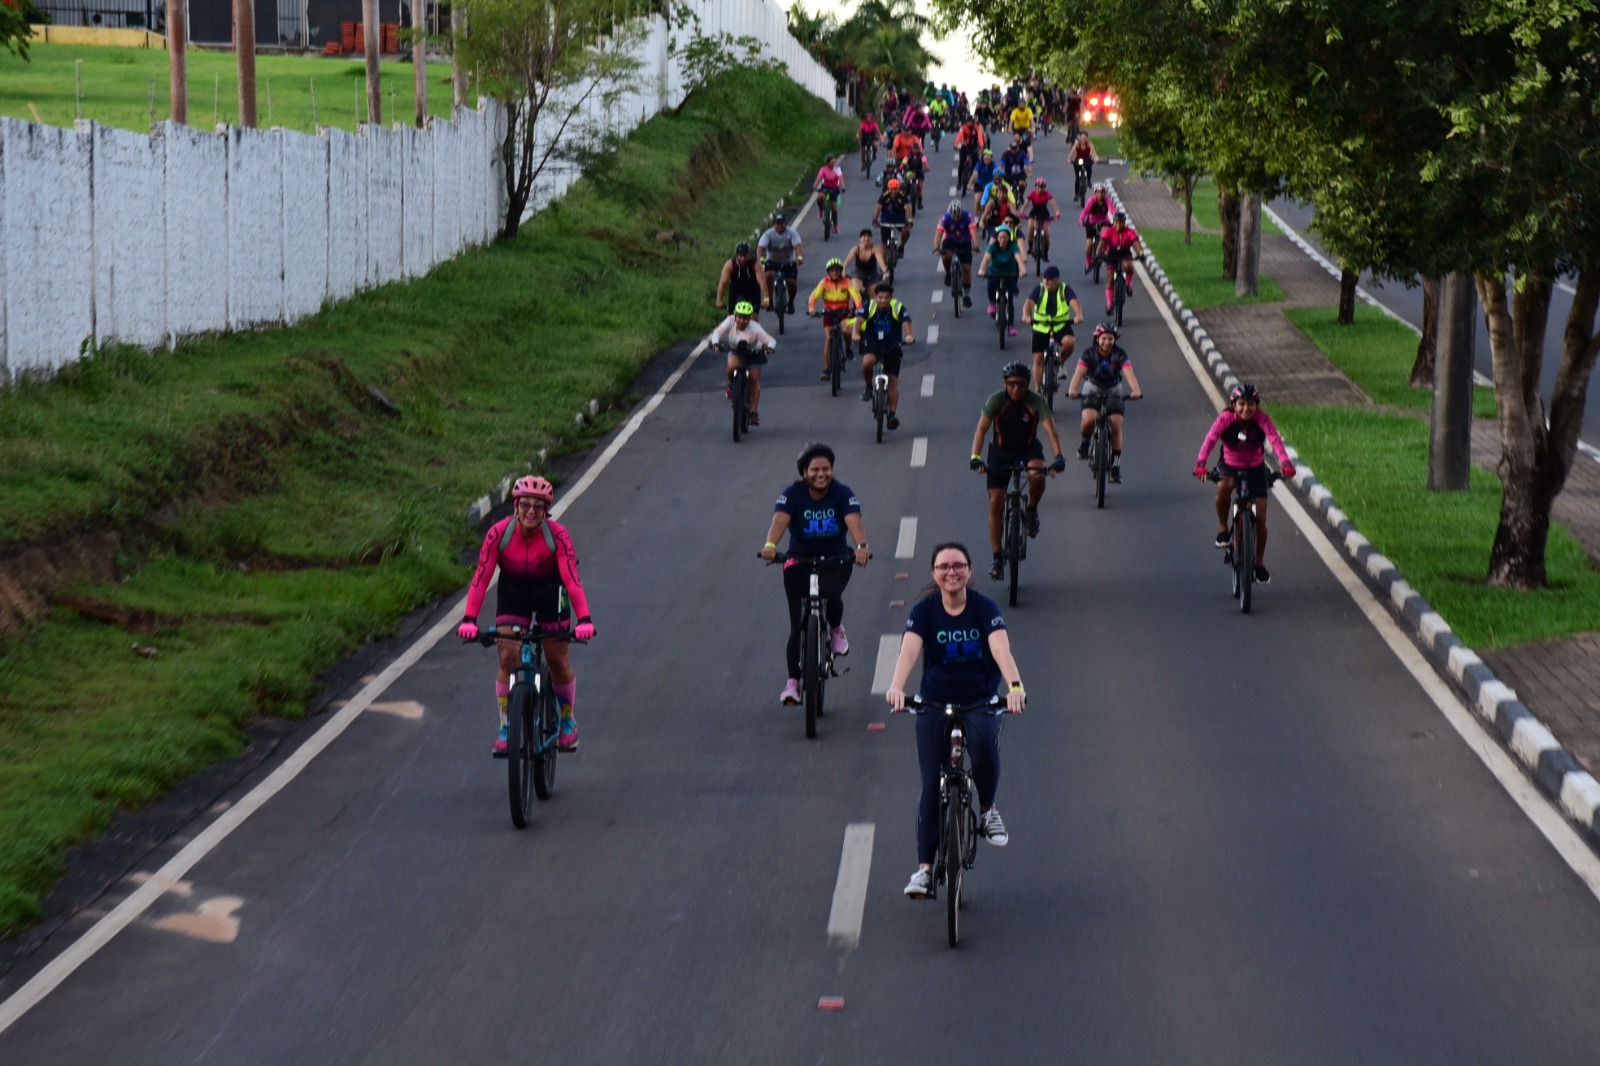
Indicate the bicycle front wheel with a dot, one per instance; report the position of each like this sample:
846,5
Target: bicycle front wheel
811,671
1050,382
836,361
740,405
548,726
1102,461
880,408
1246,562
955,847
1001,308
520,742
1013,542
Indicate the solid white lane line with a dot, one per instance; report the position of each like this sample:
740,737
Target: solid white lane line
919,451
906,546
850,890
883,670
927,379
81,950
1541,812
927,382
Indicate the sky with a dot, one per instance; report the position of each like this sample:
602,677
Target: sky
957,65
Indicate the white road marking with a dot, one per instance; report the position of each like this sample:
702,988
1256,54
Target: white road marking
1546,818
938,295
927,379
919,451
927,382
953,191
883,670
100,934
906,546
850,890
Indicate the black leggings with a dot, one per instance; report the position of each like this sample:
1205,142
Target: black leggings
933,752
796,586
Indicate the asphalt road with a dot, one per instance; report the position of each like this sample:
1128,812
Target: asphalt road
1234,839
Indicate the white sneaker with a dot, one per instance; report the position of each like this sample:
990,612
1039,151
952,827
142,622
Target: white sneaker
993,828
921,884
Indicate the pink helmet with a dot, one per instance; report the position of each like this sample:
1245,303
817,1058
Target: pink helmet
535,486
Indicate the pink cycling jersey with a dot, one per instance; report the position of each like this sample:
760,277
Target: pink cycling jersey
527,558
1114,242
831,178
1095,212
1242,440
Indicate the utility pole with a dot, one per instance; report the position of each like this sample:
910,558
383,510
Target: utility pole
178,59
369,15
244,47
458,76
1450,435
419,60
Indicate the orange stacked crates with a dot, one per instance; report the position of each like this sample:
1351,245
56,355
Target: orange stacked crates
347,37
390,41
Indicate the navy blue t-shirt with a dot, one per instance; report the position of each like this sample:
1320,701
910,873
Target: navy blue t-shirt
957,666
816,527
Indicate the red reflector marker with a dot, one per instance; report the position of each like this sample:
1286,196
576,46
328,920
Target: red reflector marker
831,1003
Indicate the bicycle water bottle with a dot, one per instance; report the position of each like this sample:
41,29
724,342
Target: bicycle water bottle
563,604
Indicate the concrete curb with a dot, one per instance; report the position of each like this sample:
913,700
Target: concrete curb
1553,768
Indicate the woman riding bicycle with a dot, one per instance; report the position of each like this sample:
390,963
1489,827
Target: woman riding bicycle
828,184
746,341
816,511
1103,369
537,562
1244,429
1004,264
839,303
968,658
866,264
1093,218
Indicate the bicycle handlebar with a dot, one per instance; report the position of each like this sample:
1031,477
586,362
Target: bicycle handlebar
993,707
1215,475
817,562
490,635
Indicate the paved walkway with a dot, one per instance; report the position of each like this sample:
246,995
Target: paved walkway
1559,680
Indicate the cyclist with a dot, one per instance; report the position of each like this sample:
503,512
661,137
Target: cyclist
893,210
866,263
1119,244
1051,309
890,104
1042,210
1004,264
1243,429
782,255
884,326
969,144
952,240
904,141
968,658
1016,414
740,280
1074,113
1083,156
828,184
983,176
999,210
749,340
1016,167
916,121
816,511
838,298
870,135
1022,123
938,115
1104,368
913,169
537,564
1093,218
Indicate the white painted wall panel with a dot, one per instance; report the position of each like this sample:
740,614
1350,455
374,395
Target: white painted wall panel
130,269
347,213
384,169
305,224
446,143
417,203
46,245
255,227
196,223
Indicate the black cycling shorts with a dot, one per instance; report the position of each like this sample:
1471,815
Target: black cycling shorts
783,270
1041,339
961,250
1255,478
997,478
518,601
1116,402
888,358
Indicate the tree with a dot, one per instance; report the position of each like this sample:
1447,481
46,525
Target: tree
556,66
14,31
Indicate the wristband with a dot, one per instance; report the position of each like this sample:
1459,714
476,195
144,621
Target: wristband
1016,686
861,547
769,544
975,455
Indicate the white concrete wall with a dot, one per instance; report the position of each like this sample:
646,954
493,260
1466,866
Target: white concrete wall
111,236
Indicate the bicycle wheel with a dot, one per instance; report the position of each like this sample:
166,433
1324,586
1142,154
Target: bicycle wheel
547,727
1120,287
520,741
955,846
1246,564
1013,543
1002,308
1232,554
894,259
1050,381
836,361
779,300
880,408
1102,460
956,291
811,671
740,405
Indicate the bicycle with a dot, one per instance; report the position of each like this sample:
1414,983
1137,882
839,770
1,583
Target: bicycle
834,321
740,388
1080,180
958,809
1240,554
533,719
1039,242
1050,372
880,396
869,154
1100,445
1002,311
829,211
779,287
1013,535
817,661
958,283
1119,286
891,247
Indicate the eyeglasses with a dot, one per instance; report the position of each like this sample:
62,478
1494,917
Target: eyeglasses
532,505
952,568
1016,384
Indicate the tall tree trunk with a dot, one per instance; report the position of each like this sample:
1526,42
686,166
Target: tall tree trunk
1188,208
1228,217
1450,432
1347,295
458,76
419,59
369,17
1427,345
1248,282
178,60
244,48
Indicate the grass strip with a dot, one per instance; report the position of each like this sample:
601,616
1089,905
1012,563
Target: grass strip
1106,145
1375,463
1376,353
128,87
274,515
1196,270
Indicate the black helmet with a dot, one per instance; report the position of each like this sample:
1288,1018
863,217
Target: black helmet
1242,391
810,452
742,249
779,216
1120,216
1016,369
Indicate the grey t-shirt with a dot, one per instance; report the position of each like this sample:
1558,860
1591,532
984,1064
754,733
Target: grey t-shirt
780,247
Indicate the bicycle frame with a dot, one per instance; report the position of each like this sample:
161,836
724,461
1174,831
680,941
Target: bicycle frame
532,729
817,662
1240,556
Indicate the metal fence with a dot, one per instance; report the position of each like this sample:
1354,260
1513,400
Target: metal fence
107,14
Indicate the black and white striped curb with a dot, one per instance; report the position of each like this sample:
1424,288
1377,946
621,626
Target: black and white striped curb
1550,765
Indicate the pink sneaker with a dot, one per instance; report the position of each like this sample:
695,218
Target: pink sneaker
791,692
991,310
1012,331
567,739
838,641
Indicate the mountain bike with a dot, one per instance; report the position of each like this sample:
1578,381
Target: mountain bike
869,153
1080,181
828,208
1100,443
1013,534
1050,372
1039,242
816,647
533,719
833,322
740,388
1240,555
964,171
958,806
1002,311
958,284
891,247
779,287
1119,285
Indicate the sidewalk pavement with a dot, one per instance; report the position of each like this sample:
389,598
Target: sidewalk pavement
1559,680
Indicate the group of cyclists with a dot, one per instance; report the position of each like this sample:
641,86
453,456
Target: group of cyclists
958,632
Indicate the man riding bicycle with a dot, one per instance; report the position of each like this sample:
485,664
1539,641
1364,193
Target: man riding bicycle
883,326
838,298
1104,369
1016,167
893,210
1119,244
740,280
1051,309
952,240
983,175
1022,123
1016,414
782,254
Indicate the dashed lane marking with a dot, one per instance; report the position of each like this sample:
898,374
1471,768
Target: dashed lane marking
927,379
919,451
906,546
927,382
850,890
938,295
883,671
